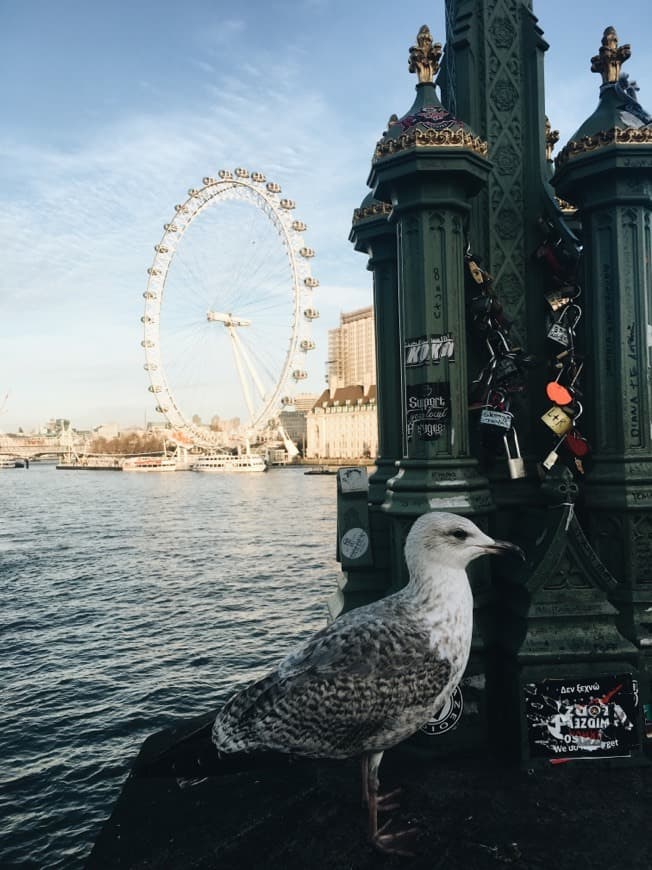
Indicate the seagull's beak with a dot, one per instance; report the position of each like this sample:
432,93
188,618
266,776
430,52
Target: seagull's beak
501,548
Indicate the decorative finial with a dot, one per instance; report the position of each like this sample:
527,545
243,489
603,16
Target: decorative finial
424,56
611,57
552,137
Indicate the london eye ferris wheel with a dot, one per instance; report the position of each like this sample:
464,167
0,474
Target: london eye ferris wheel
228,307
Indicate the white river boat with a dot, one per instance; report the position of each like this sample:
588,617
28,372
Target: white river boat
149,463
220,463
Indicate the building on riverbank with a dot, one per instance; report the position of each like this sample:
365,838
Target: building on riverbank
343,422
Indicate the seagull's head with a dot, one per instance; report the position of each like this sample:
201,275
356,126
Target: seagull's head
440,538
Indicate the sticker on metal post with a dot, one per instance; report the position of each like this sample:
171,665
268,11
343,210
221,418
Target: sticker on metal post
595,717
447,717
353,479
427,410
433,349
354,543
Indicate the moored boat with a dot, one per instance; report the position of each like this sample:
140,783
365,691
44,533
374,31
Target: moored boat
149,463
225,462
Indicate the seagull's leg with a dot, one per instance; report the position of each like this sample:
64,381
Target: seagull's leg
384,802
384,842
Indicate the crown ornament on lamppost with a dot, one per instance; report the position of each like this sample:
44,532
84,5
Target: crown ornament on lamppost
552,137
611,57
425,56
619,118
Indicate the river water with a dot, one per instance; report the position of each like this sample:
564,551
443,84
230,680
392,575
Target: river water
130,602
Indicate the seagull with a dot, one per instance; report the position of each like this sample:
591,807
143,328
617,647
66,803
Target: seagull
375,675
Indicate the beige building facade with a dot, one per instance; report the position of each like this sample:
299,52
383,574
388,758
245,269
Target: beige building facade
352,351
343,423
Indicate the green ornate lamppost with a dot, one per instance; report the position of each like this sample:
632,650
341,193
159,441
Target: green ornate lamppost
606,171
428,165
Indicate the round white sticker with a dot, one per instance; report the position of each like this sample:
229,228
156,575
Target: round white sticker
448,717
354,543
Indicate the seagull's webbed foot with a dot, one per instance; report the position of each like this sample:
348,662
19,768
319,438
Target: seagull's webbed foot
396,843
387,802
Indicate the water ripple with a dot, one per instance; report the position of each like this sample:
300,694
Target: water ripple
130,602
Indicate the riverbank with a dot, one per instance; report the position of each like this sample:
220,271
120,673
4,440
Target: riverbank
184,808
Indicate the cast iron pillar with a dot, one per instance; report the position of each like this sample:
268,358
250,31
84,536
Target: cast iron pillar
373,234
606,170
365,571
428,165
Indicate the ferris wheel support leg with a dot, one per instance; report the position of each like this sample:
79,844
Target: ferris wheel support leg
238,364
250,367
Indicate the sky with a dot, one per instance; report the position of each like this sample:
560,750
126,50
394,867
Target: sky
112,111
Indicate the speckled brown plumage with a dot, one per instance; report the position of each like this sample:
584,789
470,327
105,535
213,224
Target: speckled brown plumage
376,674
362,684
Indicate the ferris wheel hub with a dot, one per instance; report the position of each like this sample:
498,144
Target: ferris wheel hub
227,319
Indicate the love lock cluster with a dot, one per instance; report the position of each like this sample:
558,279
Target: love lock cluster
566,364
504,374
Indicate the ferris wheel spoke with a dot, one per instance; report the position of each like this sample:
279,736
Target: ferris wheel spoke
237,350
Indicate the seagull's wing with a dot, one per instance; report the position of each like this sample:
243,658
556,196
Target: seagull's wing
363,681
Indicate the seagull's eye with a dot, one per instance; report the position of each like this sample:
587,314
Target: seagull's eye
460,534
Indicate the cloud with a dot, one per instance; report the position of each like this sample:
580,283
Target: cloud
81,225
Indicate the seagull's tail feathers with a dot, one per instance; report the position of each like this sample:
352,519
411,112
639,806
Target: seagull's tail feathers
237,726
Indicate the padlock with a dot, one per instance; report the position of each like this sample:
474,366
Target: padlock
560,394
476,272
505,367
515,464
481,386
558,420
562,330
576,443
492,418
553,456
561,296
546,252
557,299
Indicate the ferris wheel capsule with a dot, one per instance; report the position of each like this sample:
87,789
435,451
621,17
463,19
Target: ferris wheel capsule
193,192
307,344
307,253
311,282
208,180
299,226
288,204
162,409
273,187
311,314
170,228
161,249
225,174
257,176
181,209
241,173
299,374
